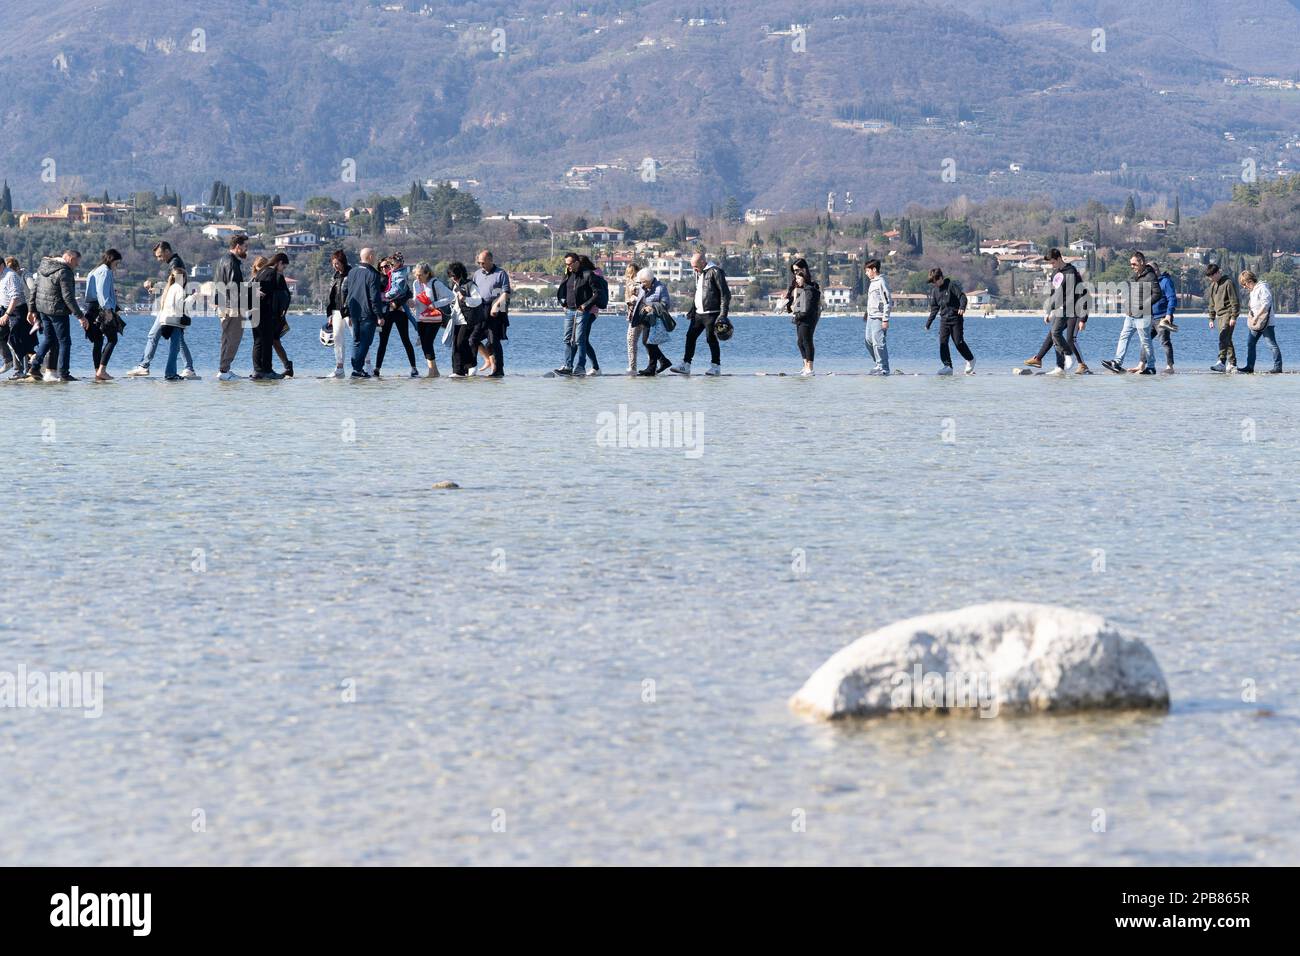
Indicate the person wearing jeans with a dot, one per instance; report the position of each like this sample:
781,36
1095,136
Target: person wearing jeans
364,289
1145,299
577,294
1260,321
880,305
56,301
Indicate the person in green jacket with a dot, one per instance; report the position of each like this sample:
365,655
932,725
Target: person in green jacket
1224,307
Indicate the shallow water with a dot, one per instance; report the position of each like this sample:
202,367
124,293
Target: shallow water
498,637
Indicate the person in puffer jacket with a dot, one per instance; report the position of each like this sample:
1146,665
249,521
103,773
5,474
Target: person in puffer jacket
56,301
1163,320
803,300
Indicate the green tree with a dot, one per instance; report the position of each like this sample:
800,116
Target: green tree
1130,209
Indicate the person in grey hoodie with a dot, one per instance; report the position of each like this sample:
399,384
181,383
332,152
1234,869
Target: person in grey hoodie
880,305
56,301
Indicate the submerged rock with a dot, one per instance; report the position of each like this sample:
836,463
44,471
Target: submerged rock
444,485
986,659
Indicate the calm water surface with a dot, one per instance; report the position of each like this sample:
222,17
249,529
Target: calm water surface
498,639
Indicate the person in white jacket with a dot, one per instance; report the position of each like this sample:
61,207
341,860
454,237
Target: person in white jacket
432,307
880,305
1259,321
172,307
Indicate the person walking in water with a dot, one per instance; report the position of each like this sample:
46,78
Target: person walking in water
170,260
56,301
493,284
1259,320
469,312
336,308
433,301
365,297
1067,315
397,293
803,300
647,314
635,332
880,306
231,301
948,304
578,296
172,312
1224,307
1144,295
102,321
17,316
1162,326
266,274
711,306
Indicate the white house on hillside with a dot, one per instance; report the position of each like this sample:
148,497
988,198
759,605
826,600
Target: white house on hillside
297,240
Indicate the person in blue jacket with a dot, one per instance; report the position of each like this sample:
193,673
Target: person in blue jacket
364,289
1162,315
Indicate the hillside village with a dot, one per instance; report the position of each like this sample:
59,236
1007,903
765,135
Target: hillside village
441,221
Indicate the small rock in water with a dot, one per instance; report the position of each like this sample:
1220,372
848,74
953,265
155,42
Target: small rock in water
985,659
443,485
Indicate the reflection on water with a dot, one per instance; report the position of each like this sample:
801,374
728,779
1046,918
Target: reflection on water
337,663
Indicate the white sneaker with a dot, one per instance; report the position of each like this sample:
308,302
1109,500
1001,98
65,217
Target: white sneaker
946,370
472,373
592,371
683,368
1169,370
1069,362
714,370
1056,372
227,377
337,373
140,371
805,373
630,371
48,376
190,374
970,367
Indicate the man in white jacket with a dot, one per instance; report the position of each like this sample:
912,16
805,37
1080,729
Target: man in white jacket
880,305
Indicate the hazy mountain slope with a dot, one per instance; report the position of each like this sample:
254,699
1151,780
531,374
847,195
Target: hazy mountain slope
283,94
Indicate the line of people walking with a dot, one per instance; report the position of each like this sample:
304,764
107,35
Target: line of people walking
469,313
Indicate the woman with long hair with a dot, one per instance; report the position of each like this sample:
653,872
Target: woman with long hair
172,318
336,307
102,322
803,300
283,297
397,292
433,299
467,314
631,292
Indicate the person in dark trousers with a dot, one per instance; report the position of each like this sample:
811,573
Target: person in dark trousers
1163,320
17,315
494,288
397,293
267,329
712,303
469,317
102,322
647,313
577,295
56,302
1067,314
803,300
1224,308
365,295
948,304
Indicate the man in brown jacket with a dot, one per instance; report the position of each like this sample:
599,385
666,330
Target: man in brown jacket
1224,306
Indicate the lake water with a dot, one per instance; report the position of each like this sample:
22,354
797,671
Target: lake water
335,663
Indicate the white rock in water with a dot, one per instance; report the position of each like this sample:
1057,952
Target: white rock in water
985,659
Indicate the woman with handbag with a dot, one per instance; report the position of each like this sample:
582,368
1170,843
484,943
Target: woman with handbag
651,317
102,322
433,299
803,300
172,317
397,292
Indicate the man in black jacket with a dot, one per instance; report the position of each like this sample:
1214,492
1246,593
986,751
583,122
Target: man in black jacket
712,302
364,289
233,302
56,301
948,303
1067,313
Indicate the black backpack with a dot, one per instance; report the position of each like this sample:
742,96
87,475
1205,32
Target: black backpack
602,290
